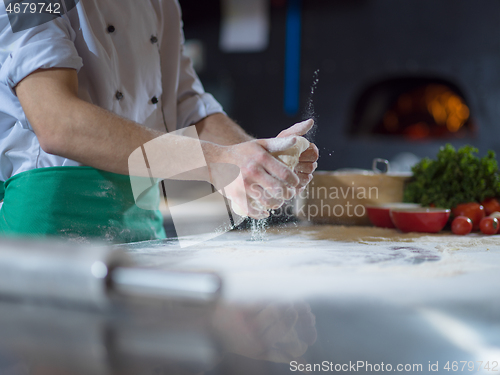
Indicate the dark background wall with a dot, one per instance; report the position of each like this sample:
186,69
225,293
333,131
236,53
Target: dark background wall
355,44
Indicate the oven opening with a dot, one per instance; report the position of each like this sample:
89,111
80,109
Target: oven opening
413,109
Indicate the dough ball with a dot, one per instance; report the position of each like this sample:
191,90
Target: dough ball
291,155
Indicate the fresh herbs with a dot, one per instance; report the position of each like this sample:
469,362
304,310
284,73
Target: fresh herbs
455,177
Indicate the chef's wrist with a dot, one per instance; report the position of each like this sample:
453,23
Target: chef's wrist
213,152
220,129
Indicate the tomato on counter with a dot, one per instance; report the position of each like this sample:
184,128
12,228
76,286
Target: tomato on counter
489,225
461,225
491,205
497,215
472,210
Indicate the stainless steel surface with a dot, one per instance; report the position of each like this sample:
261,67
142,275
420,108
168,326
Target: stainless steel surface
44,339
92,276
65,272
145,320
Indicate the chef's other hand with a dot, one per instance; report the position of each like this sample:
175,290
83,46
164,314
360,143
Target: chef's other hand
308,159
264,182
273,332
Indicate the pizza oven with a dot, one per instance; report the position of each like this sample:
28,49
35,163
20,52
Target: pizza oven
413,110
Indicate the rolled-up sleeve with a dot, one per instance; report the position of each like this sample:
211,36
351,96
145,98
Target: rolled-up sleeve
193,103
49,45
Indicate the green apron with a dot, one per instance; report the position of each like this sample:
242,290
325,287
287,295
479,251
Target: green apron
77,203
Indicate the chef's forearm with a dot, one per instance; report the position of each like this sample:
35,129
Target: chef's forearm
98,138
220,129
72,128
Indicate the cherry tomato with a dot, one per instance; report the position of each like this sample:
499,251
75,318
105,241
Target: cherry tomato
491,205
497,215
472,210
461,225
489,225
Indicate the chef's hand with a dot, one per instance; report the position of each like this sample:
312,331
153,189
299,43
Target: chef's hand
308,159
264,182
274,332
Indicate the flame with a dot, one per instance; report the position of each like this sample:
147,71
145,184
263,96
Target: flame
446,107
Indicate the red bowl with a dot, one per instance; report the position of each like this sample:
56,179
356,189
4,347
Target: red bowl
380,215
427,220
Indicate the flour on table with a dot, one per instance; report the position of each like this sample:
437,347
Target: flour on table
443,241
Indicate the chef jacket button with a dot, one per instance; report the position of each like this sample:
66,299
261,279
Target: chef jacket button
154,100
153,39
111,29
119,95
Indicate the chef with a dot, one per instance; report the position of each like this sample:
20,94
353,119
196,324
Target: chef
80,93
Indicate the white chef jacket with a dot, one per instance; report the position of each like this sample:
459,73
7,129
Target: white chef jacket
129,58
